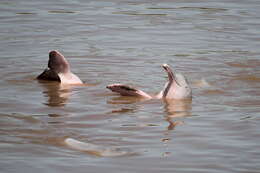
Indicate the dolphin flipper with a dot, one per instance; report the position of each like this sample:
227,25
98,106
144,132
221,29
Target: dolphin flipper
48,74
126,90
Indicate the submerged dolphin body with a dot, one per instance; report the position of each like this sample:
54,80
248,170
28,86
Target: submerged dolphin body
176,88
96,150
59,70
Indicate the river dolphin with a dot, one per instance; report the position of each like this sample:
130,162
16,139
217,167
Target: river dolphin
59,70
176,87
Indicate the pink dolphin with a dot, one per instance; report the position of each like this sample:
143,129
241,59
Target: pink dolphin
176,88
59,70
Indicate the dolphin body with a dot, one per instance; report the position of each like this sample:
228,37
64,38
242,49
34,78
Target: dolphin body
176,87
59,70
96,150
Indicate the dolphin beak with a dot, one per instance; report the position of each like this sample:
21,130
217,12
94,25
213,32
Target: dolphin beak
57,62
170,73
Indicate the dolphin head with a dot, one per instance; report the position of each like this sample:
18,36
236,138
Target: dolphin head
58,63
177,87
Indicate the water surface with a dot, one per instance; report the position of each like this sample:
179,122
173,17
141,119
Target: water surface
215,44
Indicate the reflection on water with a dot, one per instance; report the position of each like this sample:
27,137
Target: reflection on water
126,104
56,93
215,44
174,109
125,100
177,109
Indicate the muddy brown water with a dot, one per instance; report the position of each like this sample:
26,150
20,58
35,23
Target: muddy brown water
215,44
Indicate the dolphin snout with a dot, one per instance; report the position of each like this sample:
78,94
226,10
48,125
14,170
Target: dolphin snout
165,65
54,53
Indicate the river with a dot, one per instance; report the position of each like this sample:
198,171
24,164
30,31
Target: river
214,43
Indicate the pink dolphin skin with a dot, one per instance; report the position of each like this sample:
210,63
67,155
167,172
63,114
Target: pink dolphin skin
59,70
177,88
